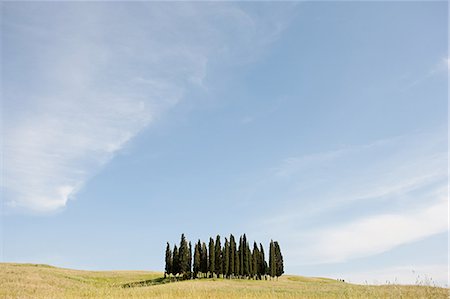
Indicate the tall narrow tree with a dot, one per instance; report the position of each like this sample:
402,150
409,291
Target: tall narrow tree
241,256
204,260
212,258
263,269
183,252
237,263
255,261
245,256
175,261
226,259
231,269
197,258
190,261
250,261
168,268
272,260
218,256
279,267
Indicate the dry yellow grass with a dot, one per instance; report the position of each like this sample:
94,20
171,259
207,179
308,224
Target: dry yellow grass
42,281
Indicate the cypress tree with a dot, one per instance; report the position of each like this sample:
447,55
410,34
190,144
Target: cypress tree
204,260
197,259
279,267
190,261
237,264
183,253
250,261
231,271
226,259
241,257
168,268
263,270
272,260
255,261
175,261
218,256
212,258
245,257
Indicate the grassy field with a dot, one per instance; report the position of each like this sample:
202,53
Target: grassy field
42,281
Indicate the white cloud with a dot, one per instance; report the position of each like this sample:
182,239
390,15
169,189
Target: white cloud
359,237
82,79
388,168
441,67
356,201
378,233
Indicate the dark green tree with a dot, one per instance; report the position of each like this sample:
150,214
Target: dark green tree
231,269
263,270
218,256
190,261
212,258
255,261
226,259
279,267
197,259
183,253
241,257
272,260
204,260
250,261
168,268
245,256
175,261
237,263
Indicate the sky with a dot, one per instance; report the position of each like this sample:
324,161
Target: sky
322,125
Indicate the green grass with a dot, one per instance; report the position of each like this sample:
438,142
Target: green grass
43,281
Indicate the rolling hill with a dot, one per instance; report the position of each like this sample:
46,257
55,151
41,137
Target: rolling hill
43,281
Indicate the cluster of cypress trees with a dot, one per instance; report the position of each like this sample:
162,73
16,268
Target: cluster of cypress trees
232,260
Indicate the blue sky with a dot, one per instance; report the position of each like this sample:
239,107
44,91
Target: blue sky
322,125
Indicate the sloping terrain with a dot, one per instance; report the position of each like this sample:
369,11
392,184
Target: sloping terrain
43,281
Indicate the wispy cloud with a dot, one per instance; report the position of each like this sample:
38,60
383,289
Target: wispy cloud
75,92
441,67
379,233
376,170
358,201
